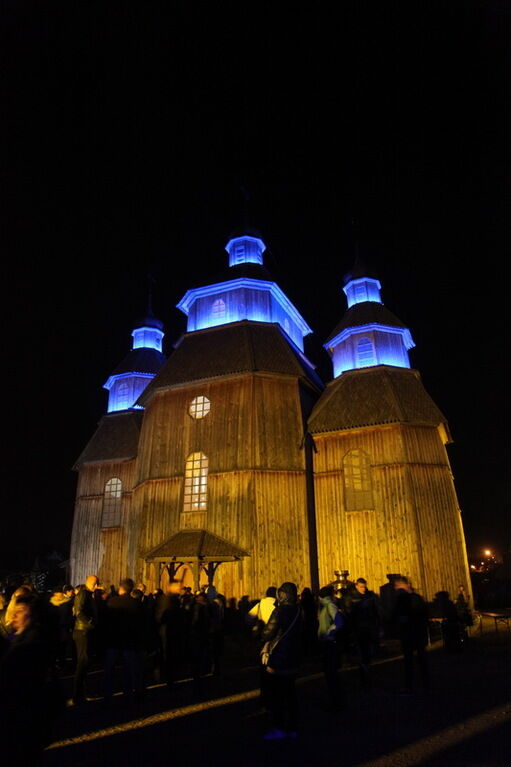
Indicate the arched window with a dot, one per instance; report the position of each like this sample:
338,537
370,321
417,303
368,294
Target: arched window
358,494
123,396
112,503
199,407
196,483
365,353
218,309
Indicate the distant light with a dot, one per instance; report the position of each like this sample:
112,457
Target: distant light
487,553
472,567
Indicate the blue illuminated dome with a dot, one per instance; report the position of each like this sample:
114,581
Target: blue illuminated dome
139,367
245,292
245,247
368,334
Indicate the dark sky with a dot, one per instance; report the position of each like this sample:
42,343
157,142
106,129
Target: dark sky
128,130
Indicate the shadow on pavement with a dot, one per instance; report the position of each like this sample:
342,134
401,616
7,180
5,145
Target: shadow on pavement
463,720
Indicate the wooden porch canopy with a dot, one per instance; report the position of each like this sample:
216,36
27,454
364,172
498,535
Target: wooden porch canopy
199,549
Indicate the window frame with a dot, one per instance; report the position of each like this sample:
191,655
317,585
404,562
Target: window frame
357,470
195,483
364,357
111,513
199,407
218,309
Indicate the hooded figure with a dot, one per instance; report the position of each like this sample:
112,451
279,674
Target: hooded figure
283,633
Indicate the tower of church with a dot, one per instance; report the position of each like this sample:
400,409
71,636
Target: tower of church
384,491
221,448
231,461
107,466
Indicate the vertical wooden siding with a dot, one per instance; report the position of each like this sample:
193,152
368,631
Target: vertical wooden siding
414,527
256,480
94,550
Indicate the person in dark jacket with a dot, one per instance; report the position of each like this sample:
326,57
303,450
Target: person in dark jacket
85,613
310,622
124,641
329,632
169,618
29,700
411,620
282,636
61,604
200,642
216,606
365,626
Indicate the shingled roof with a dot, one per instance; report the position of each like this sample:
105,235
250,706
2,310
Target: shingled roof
196,543
141,360
372,396
115,439
360,269
365,313
239,347
247,269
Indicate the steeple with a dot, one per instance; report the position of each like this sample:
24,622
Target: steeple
369,334
139,367
361,284
148,334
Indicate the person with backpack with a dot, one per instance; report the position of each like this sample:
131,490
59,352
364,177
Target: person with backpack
330,626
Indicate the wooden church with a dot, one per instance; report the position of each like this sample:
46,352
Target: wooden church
232,463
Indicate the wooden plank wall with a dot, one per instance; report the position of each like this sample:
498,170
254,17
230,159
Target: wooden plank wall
256,482
94,550
415,527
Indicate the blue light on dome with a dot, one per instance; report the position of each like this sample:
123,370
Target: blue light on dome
147,338
368,345
245,250
124,390
242,299
363,289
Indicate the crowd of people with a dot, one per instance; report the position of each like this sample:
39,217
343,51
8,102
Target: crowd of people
137,637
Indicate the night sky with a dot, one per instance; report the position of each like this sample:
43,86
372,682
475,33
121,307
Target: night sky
128,133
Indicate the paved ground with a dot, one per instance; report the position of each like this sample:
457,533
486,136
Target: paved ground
465,719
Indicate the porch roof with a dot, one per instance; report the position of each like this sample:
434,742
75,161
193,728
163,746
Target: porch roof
195,545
